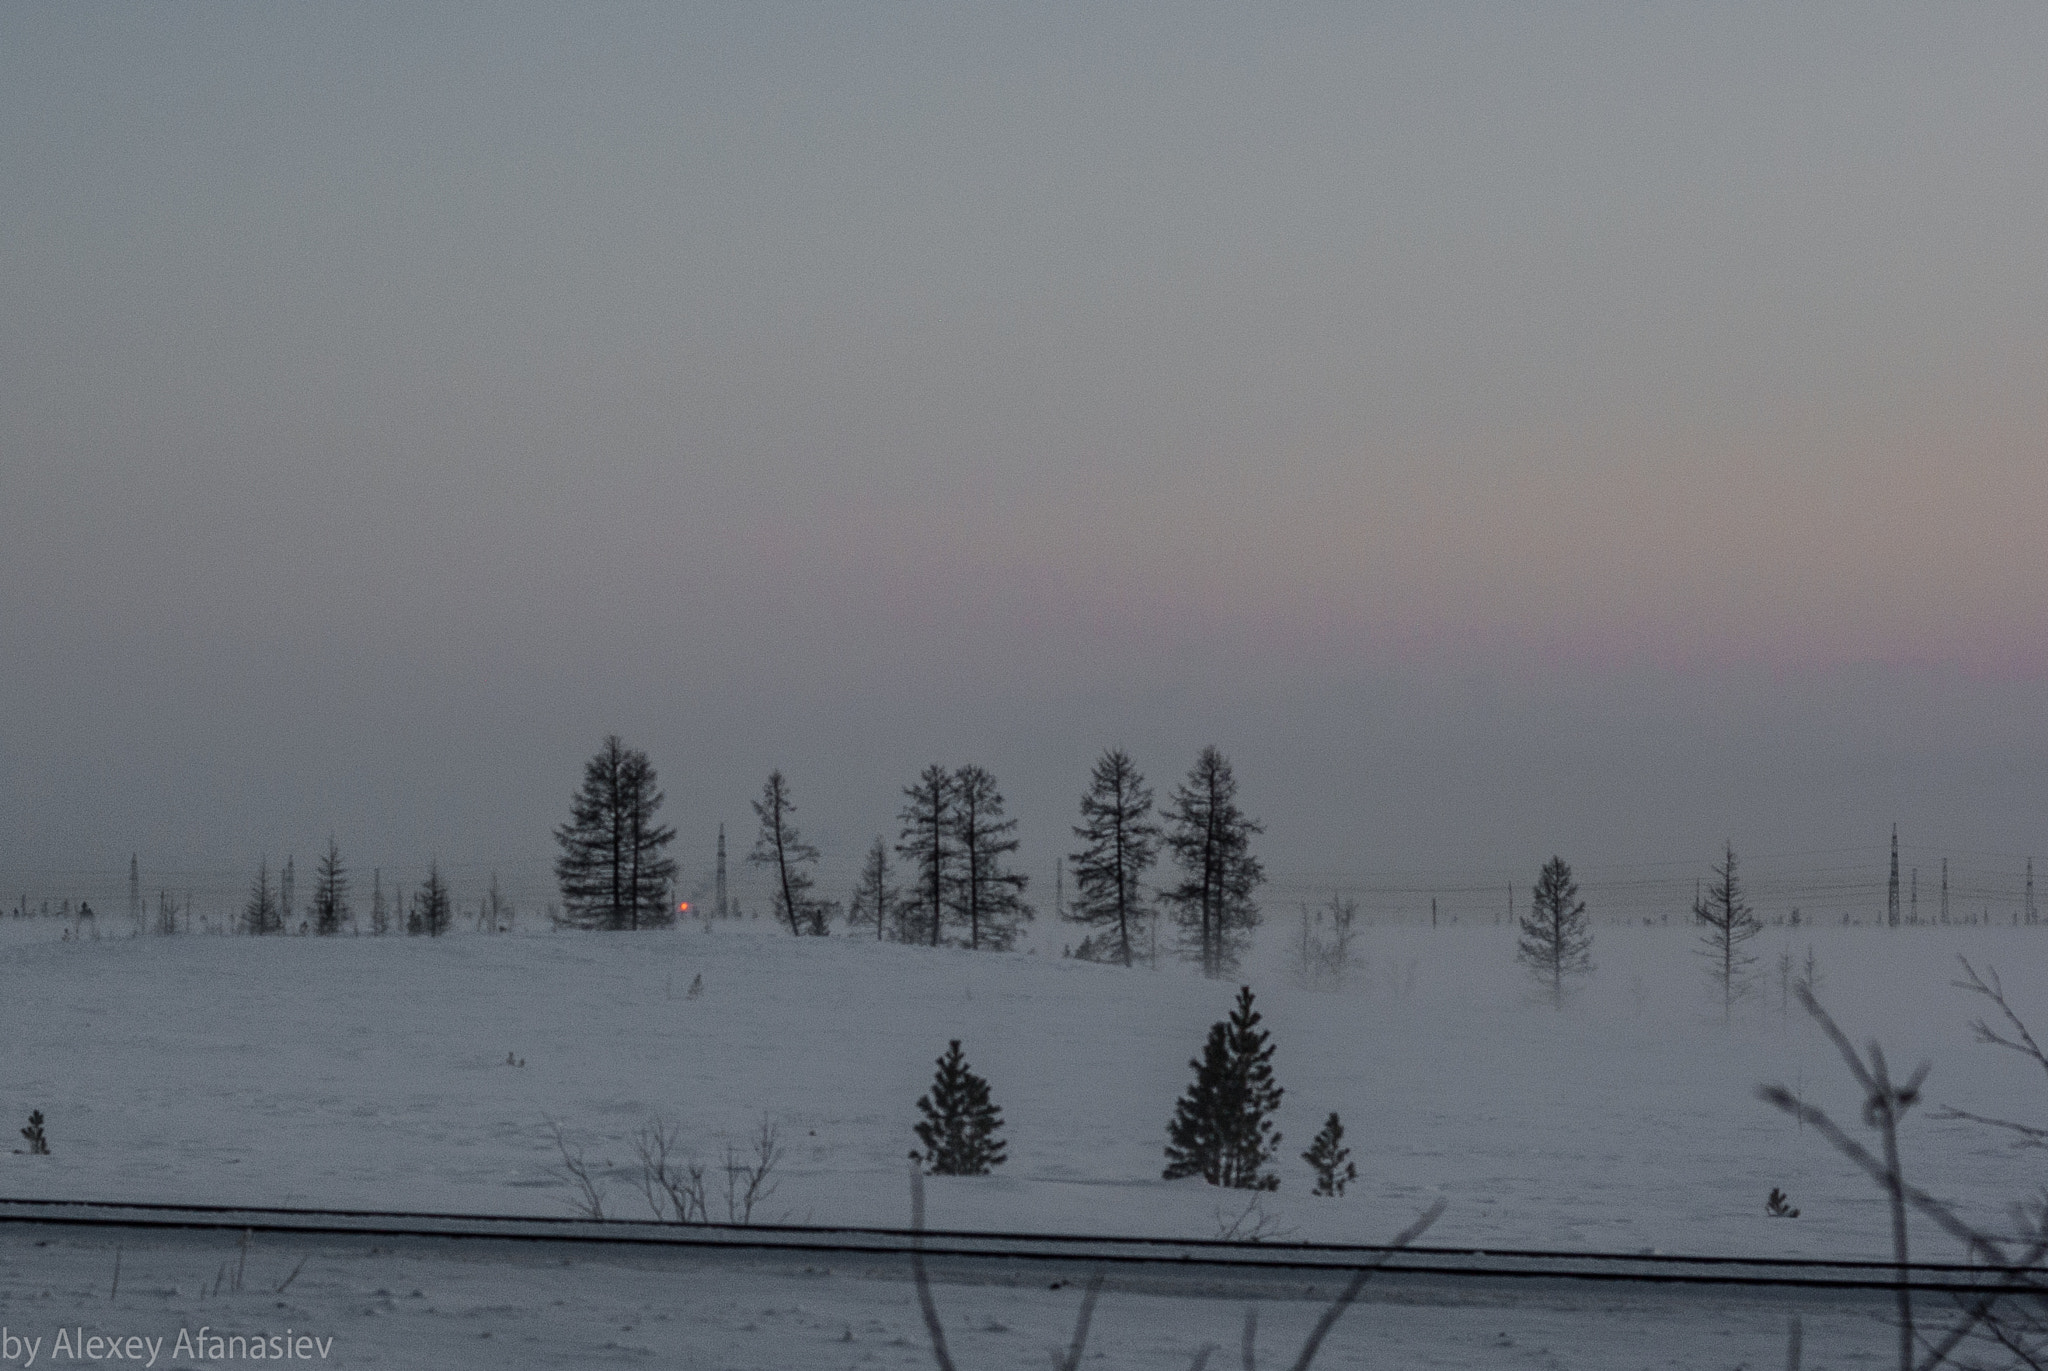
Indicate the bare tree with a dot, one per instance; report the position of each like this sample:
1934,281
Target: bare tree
876,901
1556,940
1727,924
788,859
1995,1317
1119,844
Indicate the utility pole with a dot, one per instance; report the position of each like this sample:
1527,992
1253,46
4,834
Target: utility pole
1432,911
134,891
1891,899
1944,890
721,871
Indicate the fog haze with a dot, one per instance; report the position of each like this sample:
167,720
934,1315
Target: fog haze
1604,431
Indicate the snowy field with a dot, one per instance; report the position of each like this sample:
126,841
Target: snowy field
363,1072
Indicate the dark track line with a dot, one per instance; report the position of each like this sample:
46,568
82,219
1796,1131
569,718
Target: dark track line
1436,1262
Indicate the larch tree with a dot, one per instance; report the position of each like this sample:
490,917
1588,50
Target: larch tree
1210,838
433,908
926,843
789,861
1727,923
330,892
876,900
1222,1128
988,900
1119,844
612,868
1556,942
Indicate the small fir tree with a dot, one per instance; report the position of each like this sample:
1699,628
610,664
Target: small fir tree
1557,941
1331,1159
1222,1129
960,1123
876,901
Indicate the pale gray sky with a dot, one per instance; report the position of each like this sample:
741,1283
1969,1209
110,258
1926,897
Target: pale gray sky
1601,429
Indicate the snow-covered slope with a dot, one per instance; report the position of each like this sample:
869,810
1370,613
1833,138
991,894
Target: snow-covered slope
373,1072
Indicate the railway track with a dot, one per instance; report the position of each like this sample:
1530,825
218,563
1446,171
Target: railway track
1189,1266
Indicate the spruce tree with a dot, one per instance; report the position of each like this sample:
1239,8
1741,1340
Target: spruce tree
1331,1159
1556,941
1211,842
1222,1129
960,1123
788,859
1120,842
988,898
330,892
612,870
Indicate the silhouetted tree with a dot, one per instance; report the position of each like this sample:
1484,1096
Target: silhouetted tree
330,892
261,913
1331,1159
612,870
1222,1129
988,900
1211,842
788,859
287,875
1119,844
926,842
960,1122
380,912
875,900
1556,941
432,908
1727,923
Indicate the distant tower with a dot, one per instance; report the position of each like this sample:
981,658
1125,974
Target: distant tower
1944,890
721,871
1891,901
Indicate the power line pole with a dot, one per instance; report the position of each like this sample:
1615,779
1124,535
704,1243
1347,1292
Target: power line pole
1891,899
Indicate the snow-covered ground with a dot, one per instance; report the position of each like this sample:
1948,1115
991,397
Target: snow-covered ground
366,1072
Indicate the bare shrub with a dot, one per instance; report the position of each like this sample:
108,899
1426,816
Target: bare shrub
749,1182
579,1173
674,1188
